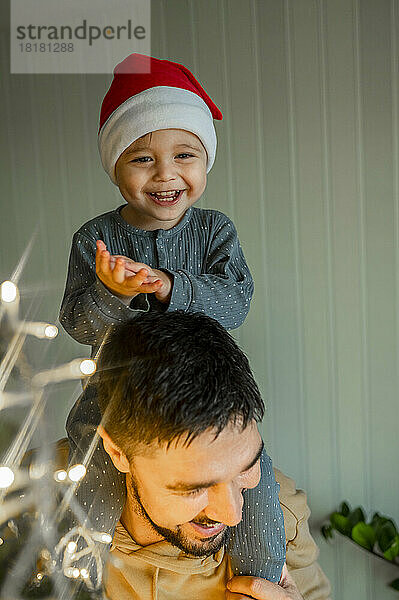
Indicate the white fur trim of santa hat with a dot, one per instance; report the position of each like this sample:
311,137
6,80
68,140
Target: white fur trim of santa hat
156,108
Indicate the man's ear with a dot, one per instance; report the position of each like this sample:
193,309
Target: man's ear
116,455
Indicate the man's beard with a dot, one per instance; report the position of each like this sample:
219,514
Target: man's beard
177,537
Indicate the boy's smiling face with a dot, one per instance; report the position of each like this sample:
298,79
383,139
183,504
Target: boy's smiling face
160,176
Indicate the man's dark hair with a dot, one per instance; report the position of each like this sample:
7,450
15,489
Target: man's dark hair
173,375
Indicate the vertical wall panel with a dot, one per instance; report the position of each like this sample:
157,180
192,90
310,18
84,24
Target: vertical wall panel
308,169
344,222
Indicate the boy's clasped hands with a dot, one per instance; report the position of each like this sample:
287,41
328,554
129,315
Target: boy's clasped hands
126,278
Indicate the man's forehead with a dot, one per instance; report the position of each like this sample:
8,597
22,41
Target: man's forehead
206,454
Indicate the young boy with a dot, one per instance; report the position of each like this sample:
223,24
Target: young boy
157,143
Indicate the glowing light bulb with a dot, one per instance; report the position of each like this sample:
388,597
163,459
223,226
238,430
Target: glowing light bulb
77,472
75,573
9,291
87,366
84,573
39,576
39,330
106,538
71,547
37,470
51,331
60,475
76,369
6,477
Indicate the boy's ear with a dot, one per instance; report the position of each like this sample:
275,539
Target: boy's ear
116,455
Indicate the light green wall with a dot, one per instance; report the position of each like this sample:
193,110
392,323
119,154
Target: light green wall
308,168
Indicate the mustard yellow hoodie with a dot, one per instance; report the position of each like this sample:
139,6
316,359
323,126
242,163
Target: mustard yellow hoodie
161,571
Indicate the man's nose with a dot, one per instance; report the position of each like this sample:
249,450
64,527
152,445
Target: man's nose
225,504
165,171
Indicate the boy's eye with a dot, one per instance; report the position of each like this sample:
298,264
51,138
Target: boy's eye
185,155
141,159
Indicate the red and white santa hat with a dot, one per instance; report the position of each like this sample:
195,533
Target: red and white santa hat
148,94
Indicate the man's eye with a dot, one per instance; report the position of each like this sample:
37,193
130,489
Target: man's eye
194,492
141,159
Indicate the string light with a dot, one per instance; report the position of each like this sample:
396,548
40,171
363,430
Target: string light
67,549
60,475
76,369
87,366
88,548
38,470
77,472
11,399
8,292
51,331
39,330
6,477
71,547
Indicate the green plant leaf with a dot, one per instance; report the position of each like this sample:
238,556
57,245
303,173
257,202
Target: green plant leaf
377,518
394,584
377,522
327,532
393,550
364,535
356,516
344,509
386,534
340,523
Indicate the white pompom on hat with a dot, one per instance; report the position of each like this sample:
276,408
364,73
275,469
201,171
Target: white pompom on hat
147,94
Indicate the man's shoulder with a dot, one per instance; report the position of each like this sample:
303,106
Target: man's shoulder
293,502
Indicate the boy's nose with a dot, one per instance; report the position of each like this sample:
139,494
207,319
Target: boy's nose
225,504
165,172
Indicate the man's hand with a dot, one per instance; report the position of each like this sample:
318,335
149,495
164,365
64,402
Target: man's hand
123,277
249,588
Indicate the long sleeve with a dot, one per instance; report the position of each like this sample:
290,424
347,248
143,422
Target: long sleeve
88,308
224,289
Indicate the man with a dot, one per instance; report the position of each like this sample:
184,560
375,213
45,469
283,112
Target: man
180,416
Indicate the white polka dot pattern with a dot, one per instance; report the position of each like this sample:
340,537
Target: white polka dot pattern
257,545
202,253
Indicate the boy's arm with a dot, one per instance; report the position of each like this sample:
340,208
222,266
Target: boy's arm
88,308
224,291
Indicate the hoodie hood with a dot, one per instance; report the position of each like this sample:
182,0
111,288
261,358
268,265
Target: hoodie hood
161,571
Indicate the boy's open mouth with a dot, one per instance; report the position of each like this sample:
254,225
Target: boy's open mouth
166,198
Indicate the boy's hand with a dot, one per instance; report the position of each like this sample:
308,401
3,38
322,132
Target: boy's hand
249,588
164,292
132,267
124,283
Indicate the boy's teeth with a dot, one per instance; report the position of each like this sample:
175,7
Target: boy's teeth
165,195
